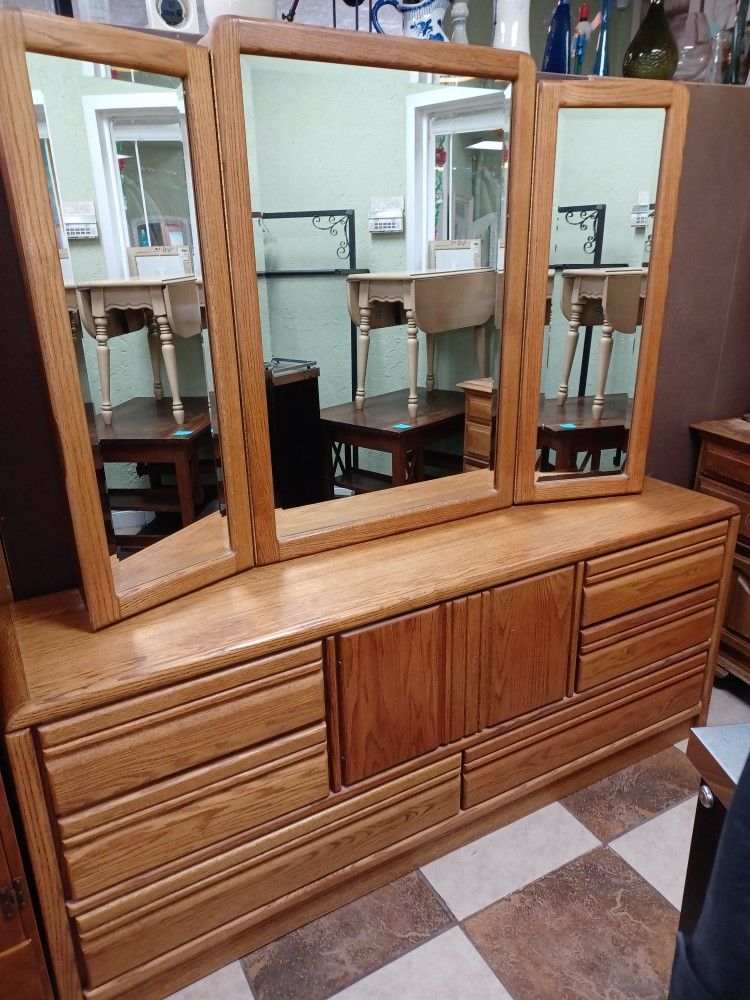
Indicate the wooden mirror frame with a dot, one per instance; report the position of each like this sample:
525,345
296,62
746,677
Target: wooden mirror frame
321,526
114,590
597,93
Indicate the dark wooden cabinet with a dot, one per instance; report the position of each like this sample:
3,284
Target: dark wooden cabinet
23,973
724,472
526,645
391,680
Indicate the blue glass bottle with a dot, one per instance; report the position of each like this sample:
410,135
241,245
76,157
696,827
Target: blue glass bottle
601,57
557,50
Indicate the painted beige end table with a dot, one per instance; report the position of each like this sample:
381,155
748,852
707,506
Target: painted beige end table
167,307
608,297
432,301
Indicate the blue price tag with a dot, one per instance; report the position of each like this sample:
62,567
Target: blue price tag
568,427
401,427
182,434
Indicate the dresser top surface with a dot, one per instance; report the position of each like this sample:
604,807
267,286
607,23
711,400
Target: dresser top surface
55,666
734,429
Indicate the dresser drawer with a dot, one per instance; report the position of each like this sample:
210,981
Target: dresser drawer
724,462
479,407
102,754
501,765
161,916
737,497
114,841
646,574
624,644
478,440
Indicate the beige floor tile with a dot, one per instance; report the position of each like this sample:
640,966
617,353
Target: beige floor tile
659,849
447,968
493,866
726,708
228,983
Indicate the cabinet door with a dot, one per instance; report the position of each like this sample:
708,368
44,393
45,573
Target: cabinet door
391,682
526,645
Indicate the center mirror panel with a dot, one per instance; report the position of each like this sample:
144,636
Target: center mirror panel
115,151
604,200
379,202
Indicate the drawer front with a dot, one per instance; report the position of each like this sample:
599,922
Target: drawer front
181,728
645,637
478,440
615,585
725,462
113,842
731,495
479,407
515,764
164,916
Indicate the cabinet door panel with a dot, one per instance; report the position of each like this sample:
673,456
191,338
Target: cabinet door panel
391,692
527,629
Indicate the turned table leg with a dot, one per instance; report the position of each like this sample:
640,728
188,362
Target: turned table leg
431,361
412,352
101,325
170,363
363,347
570,350
153,347
481,350
605,353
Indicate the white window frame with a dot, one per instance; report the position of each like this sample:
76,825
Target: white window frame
107,119
427,115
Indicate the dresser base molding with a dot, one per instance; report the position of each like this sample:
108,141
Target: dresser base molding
232,941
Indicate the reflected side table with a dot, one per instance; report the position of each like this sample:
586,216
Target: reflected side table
168,307
612,298
432,301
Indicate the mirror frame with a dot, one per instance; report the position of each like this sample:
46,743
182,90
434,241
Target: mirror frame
114,590
596,92
319,527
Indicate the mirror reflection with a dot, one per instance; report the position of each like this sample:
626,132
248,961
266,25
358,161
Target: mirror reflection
379,203
606,173
115,152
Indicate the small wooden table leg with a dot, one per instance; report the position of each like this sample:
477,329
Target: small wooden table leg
363,348
153,348
412,352
605,354
398,465
101,324
185,488
170,363
570,350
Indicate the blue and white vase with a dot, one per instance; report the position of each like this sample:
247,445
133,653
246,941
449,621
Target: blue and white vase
420,20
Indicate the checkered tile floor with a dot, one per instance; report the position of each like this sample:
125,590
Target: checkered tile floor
577,900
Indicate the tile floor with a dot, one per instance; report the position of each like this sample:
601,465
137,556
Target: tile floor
576,900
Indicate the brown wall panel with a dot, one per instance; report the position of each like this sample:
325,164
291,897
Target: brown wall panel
704,366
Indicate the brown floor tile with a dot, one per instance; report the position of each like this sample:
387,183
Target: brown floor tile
592,929
615,804
330,953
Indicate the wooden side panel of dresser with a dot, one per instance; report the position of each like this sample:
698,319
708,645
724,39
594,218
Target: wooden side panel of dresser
182,828
724,472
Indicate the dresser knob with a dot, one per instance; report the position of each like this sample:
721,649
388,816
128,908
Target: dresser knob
706,797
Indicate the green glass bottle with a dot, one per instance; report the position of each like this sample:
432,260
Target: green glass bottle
652,54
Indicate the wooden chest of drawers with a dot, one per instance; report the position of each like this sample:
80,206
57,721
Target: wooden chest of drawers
724,472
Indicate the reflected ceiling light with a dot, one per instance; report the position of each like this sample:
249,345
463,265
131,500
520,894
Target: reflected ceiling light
487,144
445,78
